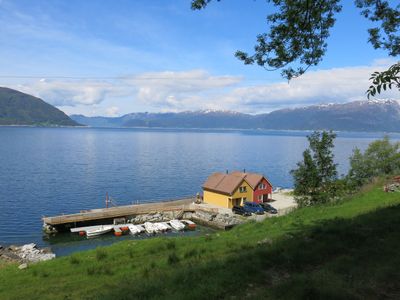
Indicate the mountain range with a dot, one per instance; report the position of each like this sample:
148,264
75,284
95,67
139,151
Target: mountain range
18,108
369,115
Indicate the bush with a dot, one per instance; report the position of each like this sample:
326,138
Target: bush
381,158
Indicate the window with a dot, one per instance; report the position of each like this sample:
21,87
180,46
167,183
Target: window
261,186
242,189
260,197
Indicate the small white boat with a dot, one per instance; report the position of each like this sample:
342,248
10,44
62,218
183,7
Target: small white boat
140,228
161,227
133,229
177,225
167,225
189,224
98,231
150,228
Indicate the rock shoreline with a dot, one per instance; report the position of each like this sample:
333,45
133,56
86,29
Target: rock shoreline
208,218
28,253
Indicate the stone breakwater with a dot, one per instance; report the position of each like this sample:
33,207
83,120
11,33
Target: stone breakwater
28,253
204,217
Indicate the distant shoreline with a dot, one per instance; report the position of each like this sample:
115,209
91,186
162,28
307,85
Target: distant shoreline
42,126
201,129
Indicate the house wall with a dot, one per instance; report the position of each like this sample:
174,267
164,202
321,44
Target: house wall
248,194
265,192
216,199
225,200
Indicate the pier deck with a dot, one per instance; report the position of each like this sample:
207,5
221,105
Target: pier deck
121,211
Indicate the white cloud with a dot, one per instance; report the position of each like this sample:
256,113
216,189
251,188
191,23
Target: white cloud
179,89
197,89
335,85
112,111
70,93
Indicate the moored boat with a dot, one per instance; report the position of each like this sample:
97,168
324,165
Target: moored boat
150,228
177,225
189,224
133,229
98,231
161,227
117,231
167,225
140,228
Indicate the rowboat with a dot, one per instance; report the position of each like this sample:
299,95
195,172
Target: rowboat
133,229
189,224
161,227
150,228
98,231
140,228
167,225
117,231
177,225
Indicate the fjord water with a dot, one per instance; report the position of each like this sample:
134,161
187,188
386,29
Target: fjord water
50,171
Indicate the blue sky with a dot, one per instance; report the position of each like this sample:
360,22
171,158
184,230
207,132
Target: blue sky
116,57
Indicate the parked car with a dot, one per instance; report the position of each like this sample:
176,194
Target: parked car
268,208
254,208
240,211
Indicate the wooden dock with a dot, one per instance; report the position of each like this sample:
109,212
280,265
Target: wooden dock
121,211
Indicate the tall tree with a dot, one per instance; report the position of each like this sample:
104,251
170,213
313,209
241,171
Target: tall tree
296,38
316,173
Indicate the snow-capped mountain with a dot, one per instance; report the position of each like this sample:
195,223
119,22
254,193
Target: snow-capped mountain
369,115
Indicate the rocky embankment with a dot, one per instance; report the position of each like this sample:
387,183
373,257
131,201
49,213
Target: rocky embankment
28,253
208,218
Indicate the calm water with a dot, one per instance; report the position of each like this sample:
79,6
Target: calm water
48,171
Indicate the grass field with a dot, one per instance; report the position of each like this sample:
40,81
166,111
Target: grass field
349,250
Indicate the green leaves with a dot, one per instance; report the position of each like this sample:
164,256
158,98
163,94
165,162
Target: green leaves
384,36
316,174
384,80
381,158
297,33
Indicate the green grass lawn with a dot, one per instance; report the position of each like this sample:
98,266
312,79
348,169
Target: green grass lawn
349,250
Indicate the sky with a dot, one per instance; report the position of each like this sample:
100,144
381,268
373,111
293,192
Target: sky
110,58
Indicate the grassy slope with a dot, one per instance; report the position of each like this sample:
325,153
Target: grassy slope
349,250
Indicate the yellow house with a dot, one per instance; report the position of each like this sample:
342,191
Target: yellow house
227,190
